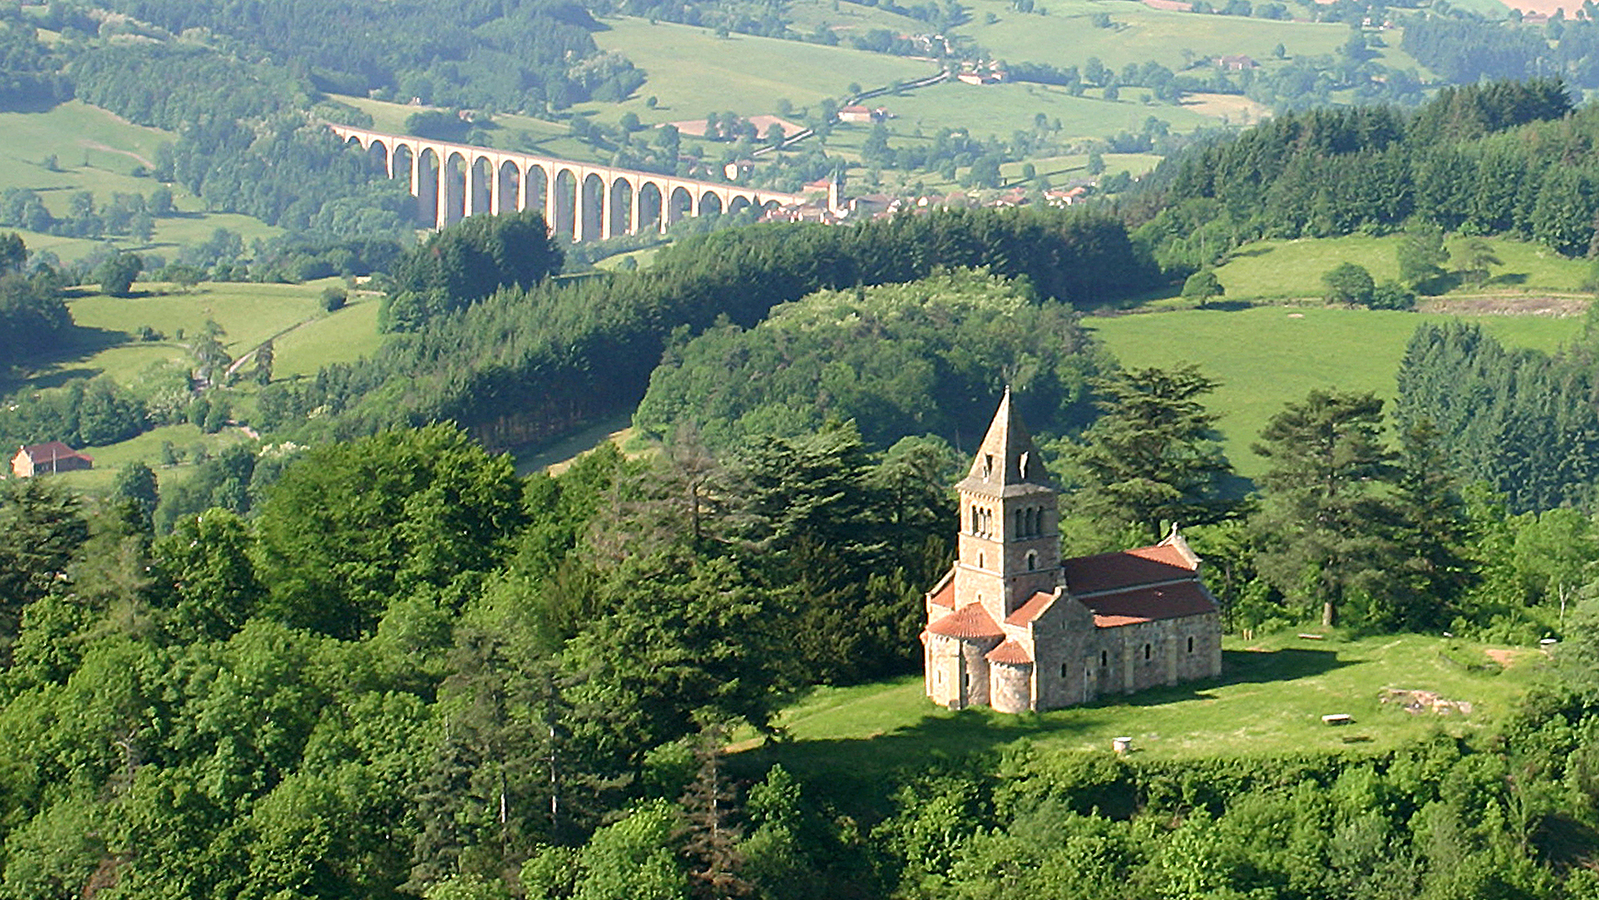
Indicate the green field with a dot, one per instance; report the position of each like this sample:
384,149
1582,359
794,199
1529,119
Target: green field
248,314
1065,37
146,448
1061,169
97,152
999,109
1269,700
1267,356
845,19
692,72
1277,270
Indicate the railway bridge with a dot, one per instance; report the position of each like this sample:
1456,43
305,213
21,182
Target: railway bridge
581,201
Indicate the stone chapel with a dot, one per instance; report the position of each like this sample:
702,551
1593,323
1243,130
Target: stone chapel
1015,627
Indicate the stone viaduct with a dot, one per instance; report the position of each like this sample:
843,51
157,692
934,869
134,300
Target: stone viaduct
588,202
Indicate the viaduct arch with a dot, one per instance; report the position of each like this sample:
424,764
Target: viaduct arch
581,201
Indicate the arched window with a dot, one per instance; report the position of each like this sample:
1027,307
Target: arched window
1104,659
1032,563
979,560
1190,644
1063,670
1148,650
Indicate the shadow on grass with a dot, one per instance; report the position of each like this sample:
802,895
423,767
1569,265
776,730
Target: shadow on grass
860,767
1252,251
79,345
1506,280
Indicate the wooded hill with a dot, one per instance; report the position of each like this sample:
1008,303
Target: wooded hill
1500,158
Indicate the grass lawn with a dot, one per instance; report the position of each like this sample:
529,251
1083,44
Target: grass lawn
248,314
342,336
1269,700
1267,356
1061,169
846,19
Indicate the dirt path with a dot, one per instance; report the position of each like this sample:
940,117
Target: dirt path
96,145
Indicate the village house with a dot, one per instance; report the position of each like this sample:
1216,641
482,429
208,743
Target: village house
1015,627
857,113
47,458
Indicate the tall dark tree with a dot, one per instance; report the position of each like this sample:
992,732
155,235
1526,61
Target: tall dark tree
44,528
135,487
1324,499
1432,531
1152,459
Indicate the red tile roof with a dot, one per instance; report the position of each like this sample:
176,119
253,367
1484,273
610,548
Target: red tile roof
967,623
1011,654
1086,575
1029,611
1170,601
51,451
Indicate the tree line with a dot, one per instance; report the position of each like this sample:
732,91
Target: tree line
529,363
1484,159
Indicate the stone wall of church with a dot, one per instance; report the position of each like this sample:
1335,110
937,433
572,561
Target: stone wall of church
1012,687
1196,647
975,674
1063,639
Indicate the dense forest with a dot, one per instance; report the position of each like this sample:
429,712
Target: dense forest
1502,158
410,673
526,363
377,663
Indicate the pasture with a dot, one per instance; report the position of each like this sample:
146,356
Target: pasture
693,72
1064,36
248,313
999,109
98,152
146,448
1267,356
1286,270
1268,701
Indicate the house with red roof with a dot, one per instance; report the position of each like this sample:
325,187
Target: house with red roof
1015,627
47,458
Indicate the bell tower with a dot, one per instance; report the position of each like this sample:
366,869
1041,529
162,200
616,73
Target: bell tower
1009,538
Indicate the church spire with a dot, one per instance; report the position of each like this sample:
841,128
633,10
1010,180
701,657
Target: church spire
1007,456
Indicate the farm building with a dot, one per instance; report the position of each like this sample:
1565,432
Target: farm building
47,458
1015,627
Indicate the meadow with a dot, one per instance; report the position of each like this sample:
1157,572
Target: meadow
999,109
1064,35
248,314
693,72
305,338
1267,356
1269,701
1283,270
98,152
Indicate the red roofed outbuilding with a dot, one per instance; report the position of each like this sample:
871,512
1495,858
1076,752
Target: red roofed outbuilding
1015,627
48,458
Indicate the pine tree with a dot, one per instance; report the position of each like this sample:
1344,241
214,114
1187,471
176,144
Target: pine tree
1152,459
1324,500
